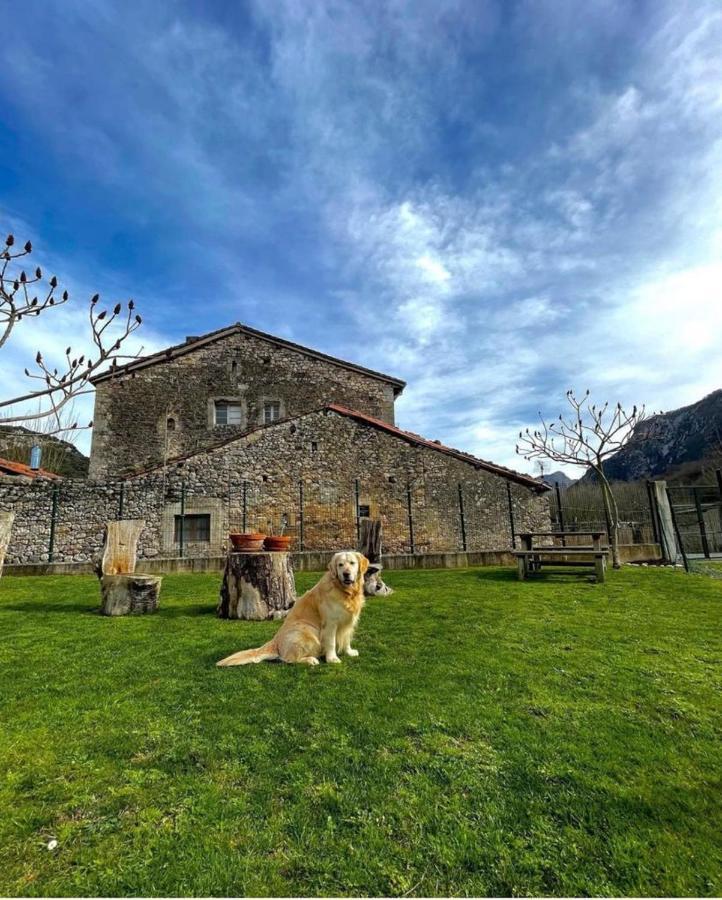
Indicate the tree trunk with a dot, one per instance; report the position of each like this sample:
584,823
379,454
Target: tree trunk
257,586
124,595
6,524
612,510
370,540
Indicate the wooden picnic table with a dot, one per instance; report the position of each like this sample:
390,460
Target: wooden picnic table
531,559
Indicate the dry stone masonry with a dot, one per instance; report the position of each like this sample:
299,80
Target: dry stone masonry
331,456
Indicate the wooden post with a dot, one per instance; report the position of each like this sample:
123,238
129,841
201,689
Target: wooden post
357,490
599,567
6,524
521,567
256,586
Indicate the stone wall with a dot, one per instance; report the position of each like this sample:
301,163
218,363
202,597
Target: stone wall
322,464
132,410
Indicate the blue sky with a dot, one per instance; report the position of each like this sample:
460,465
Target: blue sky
492,200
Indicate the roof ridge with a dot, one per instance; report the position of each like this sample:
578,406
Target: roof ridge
188,346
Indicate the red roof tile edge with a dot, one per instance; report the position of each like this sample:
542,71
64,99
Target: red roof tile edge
16,468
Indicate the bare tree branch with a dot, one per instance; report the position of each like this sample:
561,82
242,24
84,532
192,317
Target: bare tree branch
109,329
587,437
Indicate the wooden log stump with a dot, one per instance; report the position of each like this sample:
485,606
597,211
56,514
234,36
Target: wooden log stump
257,586
6,524
123,592
124,595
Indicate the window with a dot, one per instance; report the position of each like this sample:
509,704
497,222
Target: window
364,511
314,446
271,411
196,528
228,412
170,423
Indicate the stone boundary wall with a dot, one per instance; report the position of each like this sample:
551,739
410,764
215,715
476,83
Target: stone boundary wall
316,561
309,477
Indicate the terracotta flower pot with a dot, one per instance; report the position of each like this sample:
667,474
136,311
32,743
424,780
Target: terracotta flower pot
277,543
247,543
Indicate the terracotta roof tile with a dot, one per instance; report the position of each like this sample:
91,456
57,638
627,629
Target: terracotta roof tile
10,467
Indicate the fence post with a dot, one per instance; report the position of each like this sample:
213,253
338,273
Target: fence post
718,473
463,520
181,530
357,489
561,512
121,500
300,514
243,507
677,532
654,513
53,520
411,517
511,515
700,521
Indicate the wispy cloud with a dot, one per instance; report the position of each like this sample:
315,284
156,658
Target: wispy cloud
493,201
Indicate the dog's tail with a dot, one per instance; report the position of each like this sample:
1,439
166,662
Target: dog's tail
267,651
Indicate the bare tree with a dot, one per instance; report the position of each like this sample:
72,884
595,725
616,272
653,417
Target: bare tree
23,297
587,437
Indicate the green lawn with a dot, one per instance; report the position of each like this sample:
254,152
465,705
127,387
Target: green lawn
493,737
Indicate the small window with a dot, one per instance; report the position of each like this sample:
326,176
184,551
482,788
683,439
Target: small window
196,528
271,412
364,511
228,413
314,446
170,423
234,367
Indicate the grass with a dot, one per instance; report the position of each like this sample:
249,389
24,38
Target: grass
493,737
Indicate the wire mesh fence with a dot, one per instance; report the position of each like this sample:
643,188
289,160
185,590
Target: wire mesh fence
64,521
581,508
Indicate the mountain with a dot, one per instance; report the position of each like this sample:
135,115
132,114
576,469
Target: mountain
683,444
58,456
564,481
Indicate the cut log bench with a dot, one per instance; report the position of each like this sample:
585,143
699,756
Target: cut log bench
122,591
257,586
530,559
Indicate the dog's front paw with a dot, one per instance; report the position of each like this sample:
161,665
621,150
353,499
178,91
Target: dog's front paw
333,659
351,652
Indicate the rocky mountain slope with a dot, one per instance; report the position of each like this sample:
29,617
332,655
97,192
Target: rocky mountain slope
682,444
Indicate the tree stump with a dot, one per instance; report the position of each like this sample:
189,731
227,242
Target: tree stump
124,595
122,591
6,524
257,586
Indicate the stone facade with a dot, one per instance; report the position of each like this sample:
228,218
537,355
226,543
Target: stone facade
310,475
164,406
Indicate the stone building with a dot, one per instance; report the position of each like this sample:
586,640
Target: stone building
239,430
230,381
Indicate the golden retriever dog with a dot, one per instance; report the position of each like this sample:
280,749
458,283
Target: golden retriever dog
322,622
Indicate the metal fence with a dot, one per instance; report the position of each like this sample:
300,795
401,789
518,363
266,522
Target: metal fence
697,516
64,521
581,508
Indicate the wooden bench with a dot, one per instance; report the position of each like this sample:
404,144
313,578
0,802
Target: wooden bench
531,559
